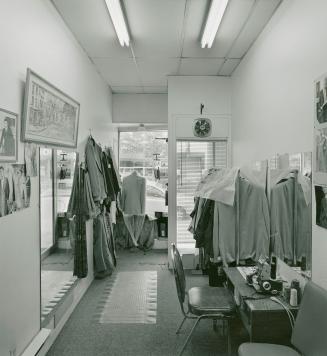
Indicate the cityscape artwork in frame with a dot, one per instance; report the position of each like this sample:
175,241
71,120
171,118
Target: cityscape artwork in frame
50,117
8,136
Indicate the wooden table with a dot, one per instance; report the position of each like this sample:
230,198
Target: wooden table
264,319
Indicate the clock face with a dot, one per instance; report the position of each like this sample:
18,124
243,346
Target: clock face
202,127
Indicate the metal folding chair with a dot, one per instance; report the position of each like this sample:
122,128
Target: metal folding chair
203,302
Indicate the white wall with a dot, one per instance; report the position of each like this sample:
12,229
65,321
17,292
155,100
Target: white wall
273,94
185,95
32,34
140,108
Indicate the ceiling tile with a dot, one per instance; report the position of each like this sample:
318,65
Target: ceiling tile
90,22
200,66
258,20
156,26
233,20
229,66
154,71
127,89
118,72
157,90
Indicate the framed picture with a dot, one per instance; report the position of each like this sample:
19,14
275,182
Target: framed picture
15,188
321,100
50,116
8,136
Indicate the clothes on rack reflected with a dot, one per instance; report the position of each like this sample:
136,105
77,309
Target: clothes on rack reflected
286,215
214,222
219,185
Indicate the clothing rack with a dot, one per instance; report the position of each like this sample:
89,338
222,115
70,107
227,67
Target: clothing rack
287,243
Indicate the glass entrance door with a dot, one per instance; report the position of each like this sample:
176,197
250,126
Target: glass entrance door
194,158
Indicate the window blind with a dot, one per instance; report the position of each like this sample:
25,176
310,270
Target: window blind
194,158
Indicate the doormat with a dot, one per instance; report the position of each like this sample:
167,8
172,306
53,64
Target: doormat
132,299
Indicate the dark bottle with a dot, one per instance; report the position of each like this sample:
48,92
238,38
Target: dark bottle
304,263
296,285
273,267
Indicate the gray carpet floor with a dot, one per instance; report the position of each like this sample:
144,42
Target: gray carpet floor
84,336
59,260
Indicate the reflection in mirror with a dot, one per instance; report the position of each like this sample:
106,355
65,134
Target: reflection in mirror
56,178
256,171
290,209
252,214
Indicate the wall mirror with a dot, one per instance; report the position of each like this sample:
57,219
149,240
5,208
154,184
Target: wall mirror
289,191
56,179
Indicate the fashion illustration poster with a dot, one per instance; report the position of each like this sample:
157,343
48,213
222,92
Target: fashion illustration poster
31,153
15,188
8,136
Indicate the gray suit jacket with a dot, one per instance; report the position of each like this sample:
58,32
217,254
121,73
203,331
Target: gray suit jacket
133,194
93,154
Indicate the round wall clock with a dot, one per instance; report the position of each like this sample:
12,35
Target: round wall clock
202,127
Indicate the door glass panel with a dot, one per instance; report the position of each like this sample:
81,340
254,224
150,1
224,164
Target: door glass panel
194,158
146,152
65,166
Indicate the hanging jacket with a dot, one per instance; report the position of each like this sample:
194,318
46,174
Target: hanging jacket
93,158
254,221
226,232
109,179
282,219
103,252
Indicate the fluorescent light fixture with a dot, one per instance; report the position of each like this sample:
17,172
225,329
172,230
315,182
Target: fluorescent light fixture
118,21
216,13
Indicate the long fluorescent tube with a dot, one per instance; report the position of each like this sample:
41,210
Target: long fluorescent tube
118,21
216,13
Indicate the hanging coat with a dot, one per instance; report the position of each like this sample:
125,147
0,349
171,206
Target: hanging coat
282,219
304,225
104,259
254,221
93,158
80,208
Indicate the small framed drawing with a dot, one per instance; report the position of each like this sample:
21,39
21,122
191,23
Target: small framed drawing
8,136
50,117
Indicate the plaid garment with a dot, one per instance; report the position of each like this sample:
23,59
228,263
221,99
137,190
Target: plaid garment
82,207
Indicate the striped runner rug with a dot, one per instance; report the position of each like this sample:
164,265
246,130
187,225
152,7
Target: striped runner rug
132,298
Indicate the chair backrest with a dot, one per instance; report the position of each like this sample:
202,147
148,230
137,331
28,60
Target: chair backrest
310,330
179,274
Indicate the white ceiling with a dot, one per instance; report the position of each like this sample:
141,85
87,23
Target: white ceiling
165,39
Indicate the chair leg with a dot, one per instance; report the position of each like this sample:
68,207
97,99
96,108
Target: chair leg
180,326
189,336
